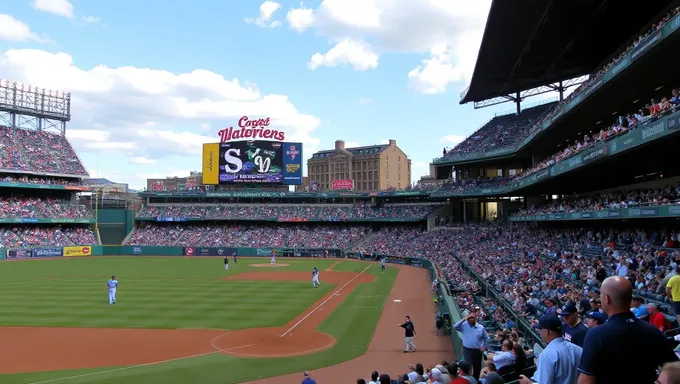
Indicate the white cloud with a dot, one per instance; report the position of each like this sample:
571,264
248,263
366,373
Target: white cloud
448,32
91,19
264,20
357,54
453,139
152,113
14,30
142,160
365,100
300,18
56,7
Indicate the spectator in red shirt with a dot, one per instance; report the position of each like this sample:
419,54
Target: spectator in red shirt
657,318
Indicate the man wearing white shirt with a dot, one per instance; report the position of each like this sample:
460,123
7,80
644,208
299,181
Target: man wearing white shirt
503,358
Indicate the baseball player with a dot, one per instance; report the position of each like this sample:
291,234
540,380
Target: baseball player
383,263
273,262
315,278
226,263
235,260
112,286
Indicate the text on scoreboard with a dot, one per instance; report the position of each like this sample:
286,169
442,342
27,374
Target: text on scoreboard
252,161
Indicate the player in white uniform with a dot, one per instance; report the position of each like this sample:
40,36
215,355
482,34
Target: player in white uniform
273,262
112,286
315,278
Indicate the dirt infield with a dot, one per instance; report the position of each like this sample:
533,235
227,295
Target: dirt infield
385,353
33,349
265,265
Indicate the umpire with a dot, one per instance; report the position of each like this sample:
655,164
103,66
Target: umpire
475,341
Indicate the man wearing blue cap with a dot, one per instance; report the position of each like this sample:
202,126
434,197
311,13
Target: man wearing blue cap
558,363
595,318
574,330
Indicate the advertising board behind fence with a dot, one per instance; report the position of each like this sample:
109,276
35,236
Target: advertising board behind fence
48,252
84,250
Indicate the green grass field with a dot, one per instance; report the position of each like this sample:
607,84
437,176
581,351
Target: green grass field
166,292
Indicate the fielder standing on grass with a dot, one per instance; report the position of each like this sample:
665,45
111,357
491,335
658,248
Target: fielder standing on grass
112,286
226,263
383,263
409,334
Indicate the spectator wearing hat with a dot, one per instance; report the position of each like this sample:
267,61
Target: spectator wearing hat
308,379
559,360
657,318
436,377
595,318
445,377
623,341
638,308
670,374
596,305
574,330
475,341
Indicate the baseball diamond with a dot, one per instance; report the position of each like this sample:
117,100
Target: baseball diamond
184,319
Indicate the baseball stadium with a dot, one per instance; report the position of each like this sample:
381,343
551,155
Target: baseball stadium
543,248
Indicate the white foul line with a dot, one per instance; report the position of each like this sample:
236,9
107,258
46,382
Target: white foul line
212,343
324,302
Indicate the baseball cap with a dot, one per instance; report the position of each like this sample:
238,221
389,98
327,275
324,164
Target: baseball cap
549,322
568,310
597,315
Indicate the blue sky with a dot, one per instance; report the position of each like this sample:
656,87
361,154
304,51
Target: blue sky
152,80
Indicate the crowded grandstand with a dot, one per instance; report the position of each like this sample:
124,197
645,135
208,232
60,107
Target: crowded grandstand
525,219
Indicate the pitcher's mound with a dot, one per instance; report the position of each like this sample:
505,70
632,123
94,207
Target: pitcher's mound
269,265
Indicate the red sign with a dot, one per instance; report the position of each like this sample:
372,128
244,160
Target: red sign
76,188
251,130
343,184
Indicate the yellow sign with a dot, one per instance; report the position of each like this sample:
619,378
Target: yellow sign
77,251
211,164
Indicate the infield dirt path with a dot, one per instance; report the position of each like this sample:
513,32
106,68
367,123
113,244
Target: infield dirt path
386,351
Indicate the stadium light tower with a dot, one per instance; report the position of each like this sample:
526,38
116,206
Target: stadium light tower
31,107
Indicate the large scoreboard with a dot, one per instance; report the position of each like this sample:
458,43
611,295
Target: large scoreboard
252,161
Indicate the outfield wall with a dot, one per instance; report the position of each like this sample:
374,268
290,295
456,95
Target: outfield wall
446,302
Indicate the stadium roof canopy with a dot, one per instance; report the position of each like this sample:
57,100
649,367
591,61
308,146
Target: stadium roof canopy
531,43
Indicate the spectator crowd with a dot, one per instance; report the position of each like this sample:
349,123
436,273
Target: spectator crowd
38,151
255,236
297,212
52,236
669,194
505,132
37,208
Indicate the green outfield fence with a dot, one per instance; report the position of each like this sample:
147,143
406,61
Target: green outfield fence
447,305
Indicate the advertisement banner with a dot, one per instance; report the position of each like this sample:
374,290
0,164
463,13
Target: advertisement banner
210,251
47,252
211,154
346,184
263,251
19,254
84,250
292,163
136,250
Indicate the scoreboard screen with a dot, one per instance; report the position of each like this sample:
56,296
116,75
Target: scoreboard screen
252,162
